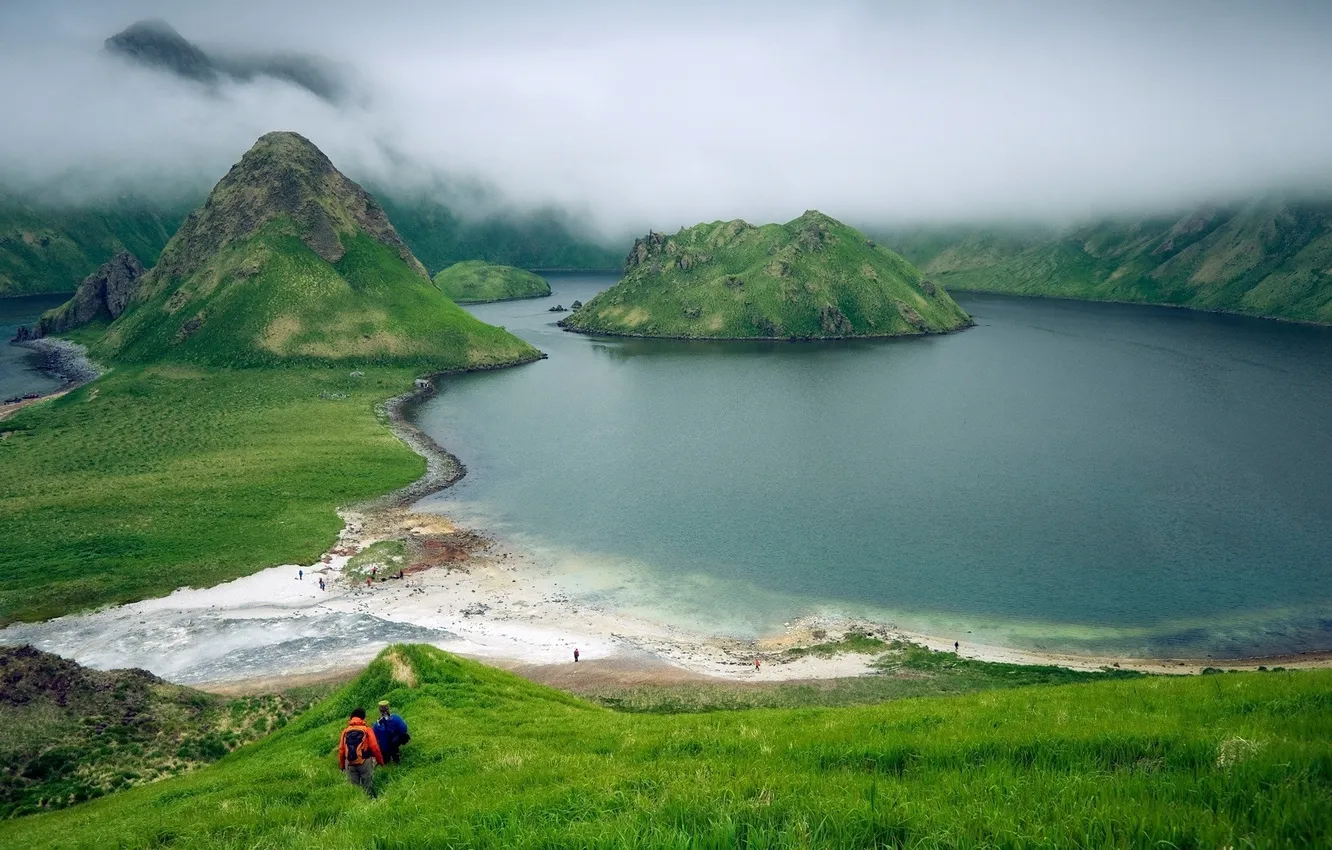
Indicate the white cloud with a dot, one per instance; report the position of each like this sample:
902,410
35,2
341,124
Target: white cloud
662,115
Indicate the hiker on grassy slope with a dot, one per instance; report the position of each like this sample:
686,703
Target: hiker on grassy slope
358,751
391,732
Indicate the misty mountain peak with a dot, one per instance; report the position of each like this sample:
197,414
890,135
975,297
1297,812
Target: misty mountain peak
282,176
156,43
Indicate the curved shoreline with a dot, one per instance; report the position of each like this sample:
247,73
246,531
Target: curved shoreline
710,654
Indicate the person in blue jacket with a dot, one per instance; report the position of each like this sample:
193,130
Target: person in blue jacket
391,732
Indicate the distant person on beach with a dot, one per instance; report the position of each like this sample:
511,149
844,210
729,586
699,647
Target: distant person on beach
756,665
358,752
575,655
391,732
300,575
955,646
321,582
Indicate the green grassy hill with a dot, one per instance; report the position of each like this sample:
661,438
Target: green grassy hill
177,468
1267,258
812,278
476,281
74,733
1231,760
289,261
51,248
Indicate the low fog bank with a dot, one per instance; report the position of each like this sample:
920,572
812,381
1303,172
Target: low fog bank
633,116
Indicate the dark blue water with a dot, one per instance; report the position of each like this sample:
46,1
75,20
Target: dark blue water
18,366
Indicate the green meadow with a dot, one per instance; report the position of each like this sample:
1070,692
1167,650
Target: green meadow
1230,760
158,477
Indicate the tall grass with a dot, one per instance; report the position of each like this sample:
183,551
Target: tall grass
499,762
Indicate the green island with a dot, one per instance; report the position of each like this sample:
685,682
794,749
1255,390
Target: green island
476,282
811,278
240,405
1234,759
1270,258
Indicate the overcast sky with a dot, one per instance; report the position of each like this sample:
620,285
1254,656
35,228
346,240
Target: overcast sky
665,114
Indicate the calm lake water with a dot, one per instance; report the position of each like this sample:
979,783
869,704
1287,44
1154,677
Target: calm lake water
18,366
1066,475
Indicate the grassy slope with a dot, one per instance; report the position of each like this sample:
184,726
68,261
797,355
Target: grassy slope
732,280
1265,259
73,734
367,308
46,249
1227,760
476,281
161,476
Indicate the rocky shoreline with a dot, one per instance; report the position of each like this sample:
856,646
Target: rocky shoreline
66,360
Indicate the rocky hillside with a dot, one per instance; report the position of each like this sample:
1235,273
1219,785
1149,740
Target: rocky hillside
476,281
812,278
103,294
72,733
1267,258
289,260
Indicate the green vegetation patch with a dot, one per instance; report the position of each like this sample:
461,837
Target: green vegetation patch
811,278
157,477
476,281
386,556
858,642
496,761
72,734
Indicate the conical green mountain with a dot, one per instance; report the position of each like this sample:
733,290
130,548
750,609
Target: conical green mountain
290,261
812,278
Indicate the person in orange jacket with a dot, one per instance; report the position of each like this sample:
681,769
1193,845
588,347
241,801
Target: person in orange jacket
358,752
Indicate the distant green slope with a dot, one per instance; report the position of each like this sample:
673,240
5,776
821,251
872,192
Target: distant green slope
476,281
544,239
1267,258
1231,760
51,248
289,261
812,278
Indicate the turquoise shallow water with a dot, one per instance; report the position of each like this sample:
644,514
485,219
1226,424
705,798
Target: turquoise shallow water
1065,475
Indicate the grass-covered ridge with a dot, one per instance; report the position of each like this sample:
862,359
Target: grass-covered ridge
811,278
1266,258
155,477
476,281
1227,760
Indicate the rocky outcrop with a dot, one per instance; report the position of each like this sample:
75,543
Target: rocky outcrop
645,248
104,293
283,176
